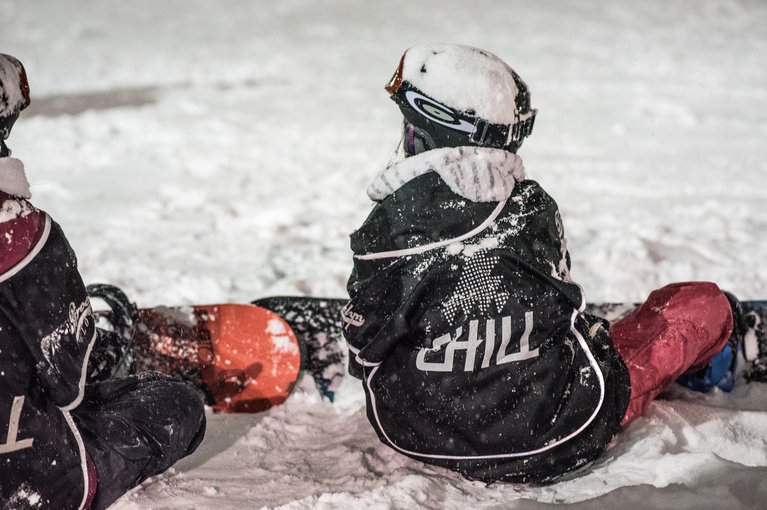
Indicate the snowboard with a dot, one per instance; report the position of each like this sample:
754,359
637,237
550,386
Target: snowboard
244,358
319,324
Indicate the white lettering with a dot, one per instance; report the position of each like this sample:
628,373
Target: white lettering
12,444
449,345
524,342
351,318
79,322
444,366
489,342
470,346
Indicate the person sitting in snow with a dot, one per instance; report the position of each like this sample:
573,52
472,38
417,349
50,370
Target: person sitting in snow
66,444
469,334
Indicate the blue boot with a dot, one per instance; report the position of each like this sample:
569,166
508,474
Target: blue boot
720,372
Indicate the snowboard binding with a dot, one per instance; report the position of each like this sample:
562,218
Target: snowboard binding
745,343
755,343
112,355
243,358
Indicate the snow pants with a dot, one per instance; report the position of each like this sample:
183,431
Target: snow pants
679,329
136,427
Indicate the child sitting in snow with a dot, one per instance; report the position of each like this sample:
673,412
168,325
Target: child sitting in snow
471,340
68,445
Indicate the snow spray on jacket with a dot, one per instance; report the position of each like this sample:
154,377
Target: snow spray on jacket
466,328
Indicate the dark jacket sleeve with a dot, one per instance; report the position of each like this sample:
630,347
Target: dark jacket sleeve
46,305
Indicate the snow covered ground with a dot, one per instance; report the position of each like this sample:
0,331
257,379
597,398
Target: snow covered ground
219,151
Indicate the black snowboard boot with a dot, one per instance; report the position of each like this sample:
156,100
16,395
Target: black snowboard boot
740,324
112,354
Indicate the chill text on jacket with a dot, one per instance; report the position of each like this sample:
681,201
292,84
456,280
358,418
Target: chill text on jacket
496,347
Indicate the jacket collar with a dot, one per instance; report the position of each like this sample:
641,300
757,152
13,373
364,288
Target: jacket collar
13,179
479,174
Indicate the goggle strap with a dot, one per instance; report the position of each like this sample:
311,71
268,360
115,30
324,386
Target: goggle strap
486,133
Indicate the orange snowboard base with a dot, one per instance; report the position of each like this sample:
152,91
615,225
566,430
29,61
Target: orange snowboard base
245,358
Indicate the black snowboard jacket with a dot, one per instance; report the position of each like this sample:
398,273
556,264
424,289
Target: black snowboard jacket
466,329
47,330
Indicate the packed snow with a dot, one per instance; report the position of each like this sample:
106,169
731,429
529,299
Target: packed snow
200,152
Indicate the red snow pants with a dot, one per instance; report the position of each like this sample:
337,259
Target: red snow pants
679,328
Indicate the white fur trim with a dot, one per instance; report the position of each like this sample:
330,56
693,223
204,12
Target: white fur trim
479,174
13,180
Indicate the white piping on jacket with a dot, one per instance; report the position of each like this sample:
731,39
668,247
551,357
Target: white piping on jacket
83,455
83,372
439,244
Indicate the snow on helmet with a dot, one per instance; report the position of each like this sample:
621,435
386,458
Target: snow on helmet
14,95
453,95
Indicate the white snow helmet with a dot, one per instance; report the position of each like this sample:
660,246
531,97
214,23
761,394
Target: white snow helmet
453,95
14,93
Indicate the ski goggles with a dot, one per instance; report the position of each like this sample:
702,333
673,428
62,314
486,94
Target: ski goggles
478,130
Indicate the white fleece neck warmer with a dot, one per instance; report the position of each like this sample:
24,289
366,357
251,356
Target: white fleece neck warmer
13,180
479,174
